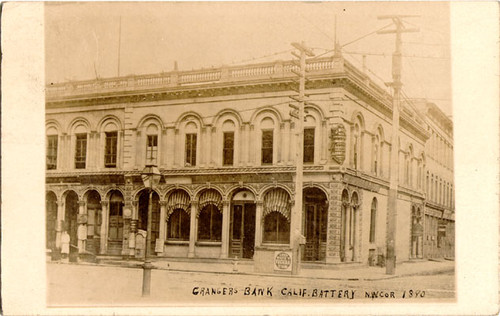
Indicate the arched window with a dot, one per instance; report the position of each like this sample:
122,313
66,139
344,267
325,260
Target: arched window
52,141
210,224
191,144
277,217
309,139
178,225
373,220
152,144
111,145
267,127
355,146
375,155
228,128
276,229
80,147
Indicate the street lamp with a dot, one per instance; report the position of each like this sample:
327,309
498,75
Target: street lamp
150,177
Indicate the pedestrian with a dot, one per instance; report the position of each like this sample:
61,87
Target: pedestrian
65,239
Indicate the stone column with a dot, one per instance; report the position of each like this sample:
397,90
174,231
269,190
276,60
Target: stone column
104,226
258,223
82,226
119,151
162,148
225,229
127,219
324,142
193,228
133,228
162,233
242,140
279,143
211,143
138,149
286,144
60,219
205,150
251,146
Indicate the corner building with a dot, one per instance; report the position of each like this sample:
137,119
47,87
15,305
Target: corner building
225,143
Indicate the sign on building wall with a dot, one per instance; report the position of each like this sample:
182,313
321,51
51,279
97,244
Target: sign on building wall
283,261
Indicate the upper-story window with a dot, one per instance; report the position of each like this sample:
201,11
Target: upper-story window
373,220
191,140
52,152
151,149
308,145
110,152
356,146
267,146
228,149
375,155
81,151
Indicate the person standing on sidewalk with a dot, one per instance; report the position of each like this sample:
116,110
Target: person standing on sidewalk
65,239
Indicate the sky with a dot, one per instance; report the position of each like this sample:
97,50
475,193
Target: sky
85,40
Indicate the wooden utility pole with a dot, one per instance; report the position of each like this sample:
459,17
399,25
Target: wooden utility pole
396,85
298,113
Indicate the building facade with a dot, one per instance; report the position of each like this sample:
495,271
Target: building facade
225,143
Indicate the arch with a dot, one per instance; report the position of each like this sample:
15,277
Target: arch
277,200
65,193
89,189
79,121
106,194
267,112
50,192
150,118
379,130
265,189
178,199
232,190
52,123
317,109
179,187
321,187
185,116
50,219
218,118
355,199
198,191
357,116
106,120
138,192
209,196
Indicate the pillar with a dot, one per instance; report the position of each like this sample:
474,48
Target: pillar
324,142
162,233
286,144
127,220
258,223
192,228
242,140
60,218
251,146
104,226
133,228
225,229
82,226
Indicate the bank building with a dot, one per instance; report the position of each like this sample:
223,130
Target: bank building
223,140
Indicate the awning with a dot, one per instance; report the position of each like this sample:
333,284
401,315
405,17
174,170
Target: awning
178,199
277,200
210,196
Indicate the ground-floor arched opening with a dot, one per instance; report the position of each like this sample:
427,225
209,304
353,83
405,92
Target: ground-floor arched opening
242,225
315,224
70,220
50,220
94,221
142,220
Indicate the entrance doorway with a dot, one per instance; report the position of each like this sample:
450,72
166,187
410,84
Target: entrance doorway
70,220
242,225
242,230
315,204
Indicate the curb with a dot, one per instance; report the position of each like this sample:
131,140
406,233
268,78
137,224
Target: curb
388,277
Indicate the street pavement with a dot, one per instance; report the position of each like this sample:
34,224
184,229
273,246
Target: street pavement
71,284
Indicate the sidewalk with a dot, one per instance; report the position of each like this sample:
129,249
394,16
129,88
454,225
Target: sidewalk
348,272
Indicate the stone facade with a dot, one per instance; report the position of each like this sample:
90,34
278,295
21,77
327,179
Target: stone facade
228,132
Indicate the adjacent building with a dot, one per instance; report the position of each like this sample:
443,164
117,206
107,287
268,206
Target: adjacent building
225,143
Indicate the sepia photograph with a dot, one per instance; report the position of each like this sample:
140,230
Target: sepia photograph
248,154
